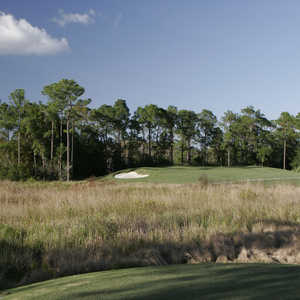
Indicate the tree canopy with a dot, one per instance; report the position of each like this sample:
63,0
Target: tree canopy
65,138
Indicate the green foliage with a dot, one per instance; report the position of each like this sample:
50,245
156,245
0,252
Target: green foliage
64,138
263,152
203,180
15,172
296,161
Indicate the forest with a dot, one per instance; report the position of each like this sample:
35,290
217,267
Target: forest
66,139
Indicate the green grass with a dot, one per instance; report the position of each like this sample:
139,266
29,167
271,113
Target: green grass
52,230
187,174
203,281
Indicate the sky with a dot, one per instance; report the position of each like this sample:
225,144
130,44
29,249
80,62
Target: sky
215,54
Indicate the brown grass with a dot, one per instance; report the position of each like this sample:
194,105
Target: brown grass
49,230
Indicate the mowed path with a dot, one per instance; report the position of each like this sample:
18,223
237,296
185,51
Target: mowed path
188,174
176,282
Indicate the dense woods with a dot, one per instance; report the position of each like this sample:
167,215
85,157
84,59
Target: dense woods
65,138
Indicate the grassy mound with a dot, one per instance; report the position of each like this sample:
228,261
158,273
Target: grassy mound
188,174
204,281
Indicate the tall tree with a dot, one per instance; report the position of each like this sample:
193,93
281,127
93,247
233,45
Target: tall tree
171,119
228,142
148,118
67,92
186,128
252,126
80,116
35,131
135,155
121,121
206,125
104,121
17,100
286,130
52,111
6,121
217,146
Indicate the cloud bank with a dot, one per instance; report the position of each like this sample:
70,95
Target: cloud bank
18,37
64,18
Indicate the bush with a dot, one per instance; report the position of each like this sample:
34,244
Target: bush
296,161
203,180
15,172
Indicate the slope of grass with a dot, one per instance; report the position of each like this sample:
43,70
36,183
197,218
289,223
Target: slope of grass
203,281
188,174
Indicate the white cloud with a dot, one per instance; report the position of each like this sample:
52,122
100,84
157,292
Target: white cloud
65,18
21,38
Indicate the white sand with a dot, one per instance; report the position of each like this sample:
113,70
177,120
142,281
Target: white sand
130,175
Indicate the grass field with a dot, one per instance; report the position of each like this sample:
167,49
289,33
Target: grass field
182,174
192,282
49,230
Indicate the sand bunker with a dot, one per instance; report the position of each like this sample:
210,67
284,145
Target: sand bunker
130,175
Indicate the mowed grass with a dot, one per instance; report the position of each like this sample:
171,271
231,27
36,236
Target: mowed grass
203,281
188,174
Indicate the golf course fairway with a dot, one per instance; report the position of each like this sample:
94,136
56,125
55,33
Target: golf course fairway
190,174
176,282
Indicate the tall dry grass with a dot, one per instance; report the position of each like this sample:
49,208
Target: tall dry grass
49,230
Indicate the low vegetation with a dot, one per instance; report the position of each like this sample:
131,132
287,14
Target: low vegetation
53,229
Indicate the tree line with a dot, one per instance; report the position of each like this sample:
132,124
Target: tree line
65,138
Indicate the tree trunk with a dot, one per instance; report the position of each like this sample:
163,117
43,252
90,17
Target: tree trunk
172,149
182,150
120,147
105,149
119,137
284,153
68,149
143,145
34,163
171,154
188,154
204,156
205,150
72,148
19,141
19,147
52,140
124,149
43,164
228,158
60,151
149,142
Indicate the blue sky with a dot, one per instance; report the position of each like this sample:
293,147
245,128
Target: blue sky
214,54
